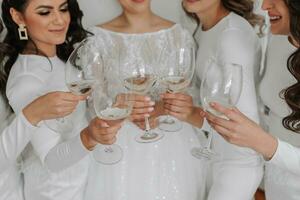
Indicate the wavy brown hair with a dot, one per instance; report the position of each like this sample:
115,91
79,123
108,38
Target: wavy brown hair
244,8
292,93
12,46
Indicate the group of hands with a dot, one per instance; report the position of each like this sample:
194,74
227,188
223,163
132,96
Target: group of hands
236,129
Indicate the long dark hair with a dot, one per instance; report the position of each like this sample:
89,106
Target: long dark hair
243,8
12,46
292,93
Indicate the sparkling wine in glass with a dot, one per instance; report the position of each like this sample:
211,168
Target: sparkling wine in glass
79,78
141,84
111,102
222,83
140,77
81,87
112,106
176,76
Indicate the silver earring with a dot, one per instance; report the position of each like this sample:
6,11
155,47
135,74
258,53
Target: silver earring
22,32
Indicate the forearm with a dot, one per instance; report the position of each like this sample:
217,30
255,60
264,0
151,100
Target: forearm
66,154
31,115
14,139
265,144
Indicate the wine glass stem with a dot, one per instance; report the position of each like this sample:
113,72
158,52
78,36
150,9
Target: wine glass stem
169,120
108,149
209,139
61,119
147,128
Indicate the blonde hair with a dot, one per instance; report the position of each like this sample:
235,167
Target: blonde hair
244,8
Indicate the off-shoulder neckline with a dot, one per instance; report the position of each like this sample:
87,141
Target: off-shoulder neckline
138,34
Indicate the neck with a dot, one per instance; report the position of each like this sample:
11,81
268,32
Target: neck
212,16
138,22
40,49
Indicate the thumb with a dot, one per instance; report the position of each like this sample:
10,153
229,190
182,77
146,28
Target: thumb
201,112
104,124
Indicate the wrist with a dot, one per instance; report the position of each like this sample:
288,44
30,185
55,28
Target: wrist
32,117
267,145
87,141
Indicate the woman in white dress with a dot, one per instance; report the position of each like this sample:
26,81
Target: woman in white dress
282,156
15,134
225,34
163,169
33,52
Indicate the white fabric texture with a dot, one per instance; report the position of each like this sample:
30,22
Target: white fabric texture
14,136
161,170
232,40
283,173
280,181
32,76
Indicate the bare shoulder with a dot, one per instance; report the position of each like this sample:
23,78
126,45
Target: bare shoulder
162,23
115,24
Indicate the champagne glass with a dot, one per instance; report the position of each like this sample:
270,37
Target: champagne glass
111,103
176,76
140,78
79,78
222,83
112,108
81,67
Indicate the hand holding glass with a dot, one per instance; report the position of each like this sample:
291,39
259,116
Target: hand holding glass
176,76
221,83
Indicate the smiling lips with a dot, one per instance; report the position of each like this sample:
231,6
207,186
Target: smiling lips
138,1
57,30
274,18
192,1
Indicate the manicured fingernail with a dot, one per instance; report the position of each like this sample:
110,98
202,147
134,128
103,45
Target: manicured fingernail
152,103
202,114
147,98
150,109
212,103
146,115
105,125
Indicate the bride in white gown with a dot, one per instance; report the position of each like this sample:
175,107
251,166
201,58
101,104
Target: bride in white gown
153,171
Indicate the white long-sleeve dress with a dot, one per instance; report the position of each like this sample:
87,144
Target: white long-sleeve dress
54,165
15,134
282,177
161,170
236,173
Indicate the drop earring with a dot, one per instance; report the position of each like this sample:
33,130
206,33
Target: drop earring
22,32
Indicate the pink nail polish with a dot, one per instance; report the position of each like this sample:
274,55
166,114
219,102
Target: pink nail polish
152,103
148,99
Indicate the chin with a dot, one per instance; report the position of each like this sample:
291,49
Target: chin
59,41
190,8
274,31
